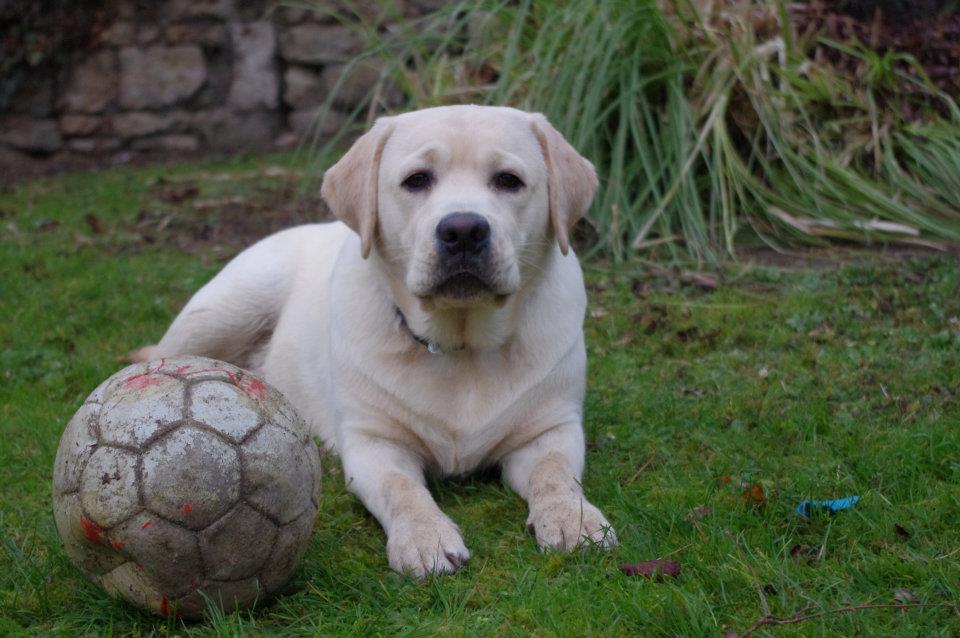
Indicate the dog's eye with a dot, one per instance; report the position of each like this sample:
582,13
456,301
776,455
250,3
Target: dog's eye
419,181
507,182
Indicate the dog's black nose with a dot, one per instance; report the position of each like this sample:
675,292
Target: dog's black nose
463,233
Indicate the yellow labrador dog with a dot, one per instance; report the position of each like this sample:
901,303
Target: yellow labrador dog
438,326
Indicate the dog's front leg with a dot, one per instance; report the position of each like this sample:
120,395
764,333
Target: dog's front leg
389,479
546,473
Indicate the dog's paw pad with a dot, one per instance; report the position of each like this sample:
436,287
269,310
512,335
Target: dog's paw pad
569,523
421,547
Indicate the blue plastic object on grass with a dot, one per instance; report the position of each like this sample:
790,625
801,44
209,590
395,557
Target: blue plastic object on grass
808,507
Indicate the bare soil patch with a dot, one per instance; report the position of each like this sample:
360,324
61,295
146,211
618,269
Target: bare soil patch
223,213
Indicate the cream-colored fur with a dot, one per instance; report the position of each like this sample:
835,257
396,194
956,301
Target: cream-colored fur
315,310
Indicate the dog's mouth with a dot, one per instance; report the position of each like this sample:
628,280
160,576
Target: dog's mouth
463,286
463,283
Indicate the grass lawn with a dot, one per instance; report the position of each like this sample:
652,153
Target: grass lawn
710,415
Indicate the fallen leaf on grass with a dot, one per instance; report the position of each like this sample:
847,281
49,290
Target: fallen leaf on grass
832,506
654,569
647,321
46,224
902,595
803,553
174,194
701,279
754,495
902,531
94,223
736,482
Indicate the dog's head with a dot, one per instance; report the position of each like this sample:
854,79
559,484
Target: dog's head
463,203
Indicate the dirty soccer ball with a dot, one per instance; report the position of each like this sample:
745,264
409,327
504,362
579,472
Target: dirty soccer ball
185,480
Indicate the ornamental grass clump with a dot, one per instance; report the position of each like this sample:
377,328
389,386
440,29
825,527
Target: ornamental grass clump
711,124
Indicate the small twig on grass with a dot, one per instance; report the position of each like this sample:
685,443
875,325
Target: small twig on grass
764,607
802,616
646,464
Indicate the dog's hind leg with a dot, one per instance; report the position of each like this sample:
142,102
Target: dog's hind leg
233,316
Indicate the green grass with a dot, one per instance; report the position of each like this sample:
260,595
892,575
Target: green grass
859,396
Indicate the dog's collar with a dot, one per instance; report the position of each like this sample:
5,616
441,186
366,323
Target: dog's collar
431,346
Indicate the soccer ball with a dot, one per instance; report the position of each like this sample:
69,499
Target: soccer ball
186,481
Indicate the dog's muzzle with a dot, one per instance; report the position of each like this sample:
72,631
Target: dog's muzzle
464,255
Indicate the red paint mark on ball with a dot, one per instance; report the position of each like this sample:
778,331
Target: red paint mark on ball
147,524
116,544
143,381
187,508
91,530
181,369
255,388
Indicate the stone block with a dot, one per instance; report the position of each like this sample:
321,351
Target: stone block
226,130
92,85
159,76
187,9
120,33
176,142
255,77
208,34
139,123
318,43
148,33
93,144
30,134
316,122
303,87
34,94
352,83
252,10
73,124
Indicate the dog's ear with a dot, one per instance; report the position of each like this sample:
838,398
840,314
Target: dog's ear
350,185
571,180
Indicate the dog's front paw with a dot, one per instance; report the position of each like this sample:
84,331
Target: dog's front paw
570,522
428,545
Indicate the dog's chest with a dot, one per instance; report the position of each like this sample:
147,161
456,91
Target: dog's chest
460,408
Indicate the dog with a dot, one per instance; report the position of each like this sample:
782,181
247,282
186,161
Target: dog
436,327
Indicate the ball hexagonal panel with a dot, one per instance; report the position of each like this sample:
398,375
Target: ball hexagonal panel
139,406
191,476
76,445
108,486
282,414
236,545
99,393
284,492
231,595
225,408
85,541
293,539
131,581
168,554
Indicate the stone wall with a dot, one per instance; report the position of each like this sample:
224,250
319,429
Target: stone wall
184,76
